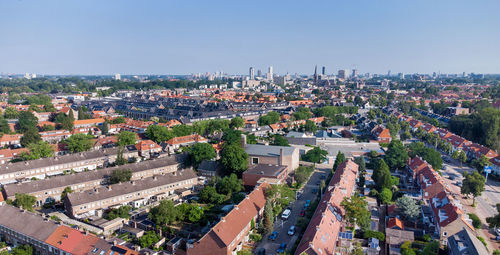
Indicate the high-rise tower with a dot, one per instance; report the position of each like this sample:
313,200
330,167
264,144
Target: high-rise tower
252,73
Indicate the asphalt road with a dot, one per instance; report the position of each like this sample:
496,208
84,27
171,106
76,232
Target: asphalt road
282,226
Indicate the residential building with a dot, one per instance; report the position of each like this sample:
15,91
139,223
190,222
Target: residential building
394,238
177,142
381,134
148,148
272,155
135,193
231,232
255,172
465,242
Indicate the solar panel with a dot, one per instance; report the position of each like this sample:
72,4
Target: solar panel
346,235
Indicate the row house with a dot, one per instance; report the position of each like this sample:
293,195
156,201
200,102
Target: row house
324,233
457,142
48,237
476,151
177,142
9,140
42,116
88,123
50,189
6,155
415,124
55,136
135,193
148,148
78,162
495,165
229,235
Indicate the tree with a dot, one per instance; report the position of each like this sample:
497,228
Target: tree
48,127
118,120
4,126
209,195
24,249
430,155
25,201
409,207
356,211
79,143
200,152
41,150
310,126
64,121
382,176
362,171
65,192
26,120
269,118
302,114
396,155
237,122
462,158
268,217
232,136
339,159
30,136
11,113
105,128
405,135
121,212
481,163
234,159
229,184
148,239
316,155
385,196
302,174
473,184
120,175
163,214
279,140
126,138
494,221
158,133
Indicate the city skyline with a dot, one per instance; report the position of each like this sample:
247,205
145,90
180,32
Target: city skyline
103,38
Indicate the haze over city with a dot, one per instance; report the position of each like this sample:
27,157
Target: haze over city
183,37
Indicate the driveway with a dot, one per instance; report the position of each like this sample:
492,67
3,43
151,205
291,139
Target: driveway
282,226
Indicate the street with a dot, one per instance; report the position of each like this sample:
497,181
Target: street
282,226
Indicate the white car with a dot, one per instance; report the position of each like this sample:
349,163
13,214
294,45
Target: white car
286,214
291,231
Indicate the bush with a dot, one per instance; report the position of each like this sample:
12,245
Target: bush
476,222
496,252
426,237
255,237
375,234
482,240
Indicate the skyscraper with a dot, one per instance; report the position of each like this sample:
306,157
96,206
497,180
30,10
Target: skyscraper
341,74
252,73
354,73
270,73
259,73
323,70
315,79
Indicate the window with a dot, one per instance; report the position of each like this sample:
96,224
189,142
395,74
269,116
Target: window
255,161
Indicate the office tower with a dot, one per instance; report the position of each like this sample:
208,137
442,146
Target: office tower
315,79
342,74
463,74
259,73
389,73
270,73
354,73
118,77
323,70
401,76
252,73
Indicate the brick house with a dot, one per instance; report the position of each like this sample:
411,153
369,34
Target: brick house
381,134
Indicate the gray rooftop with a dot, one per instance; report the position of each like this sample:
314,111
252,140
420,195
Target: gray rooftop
268,150
26,223
466,243
78,198
46,162
266,170
72,179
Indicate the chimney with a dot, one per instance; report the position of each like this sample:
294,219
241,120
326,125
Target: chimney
281,157
243,141
109,187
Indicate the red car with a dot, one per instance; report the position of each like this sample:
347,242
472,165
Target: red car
302,213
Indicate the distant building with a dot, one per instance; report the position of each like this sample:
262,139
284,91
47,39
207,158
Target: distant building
342,74
254,173
252,73
323,70
354,73
118,77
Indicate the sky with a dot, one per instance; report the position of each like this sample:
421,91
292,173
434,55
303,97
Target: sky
187,36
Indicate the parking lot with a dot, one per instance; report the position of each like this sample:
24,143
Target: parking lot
282,226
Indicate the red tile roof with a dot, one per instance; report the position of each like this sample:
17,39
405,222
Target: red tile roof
395,223
186,139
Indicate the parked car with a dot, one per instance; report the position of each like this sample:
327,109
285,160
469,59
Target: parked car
299,194
273,236
291,231
286,214
261,251
459,184
315,190
322,177
282,248
302,213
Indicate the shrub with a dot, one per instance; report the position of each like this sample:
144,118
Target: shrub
476,222
375,234
427,237
496,252
255,237
482,240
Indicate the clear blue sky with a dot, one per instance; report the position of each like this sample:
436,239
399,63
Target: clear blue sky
187,36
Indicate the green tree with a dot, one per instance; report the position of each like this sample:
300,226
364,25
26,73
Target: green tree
462,158
120,212
385,196
362,171
237,122
30,136
26,121
494,221
79,143
11,113
48,127
200,152
83,113
269,118
396,155
64,121
234,159
302,114
408,207
24,249
356,211
148,239
209,195
481,163
229,184
339,159
118,120
232,136
310,126
120,175
41,150
268,217
65,192
105,128
25,201
316,155
279,140
473,184
126,138
164,214
159,133
382,176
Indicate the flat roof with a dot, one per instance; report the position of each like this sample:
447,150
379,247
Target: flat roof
267,170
